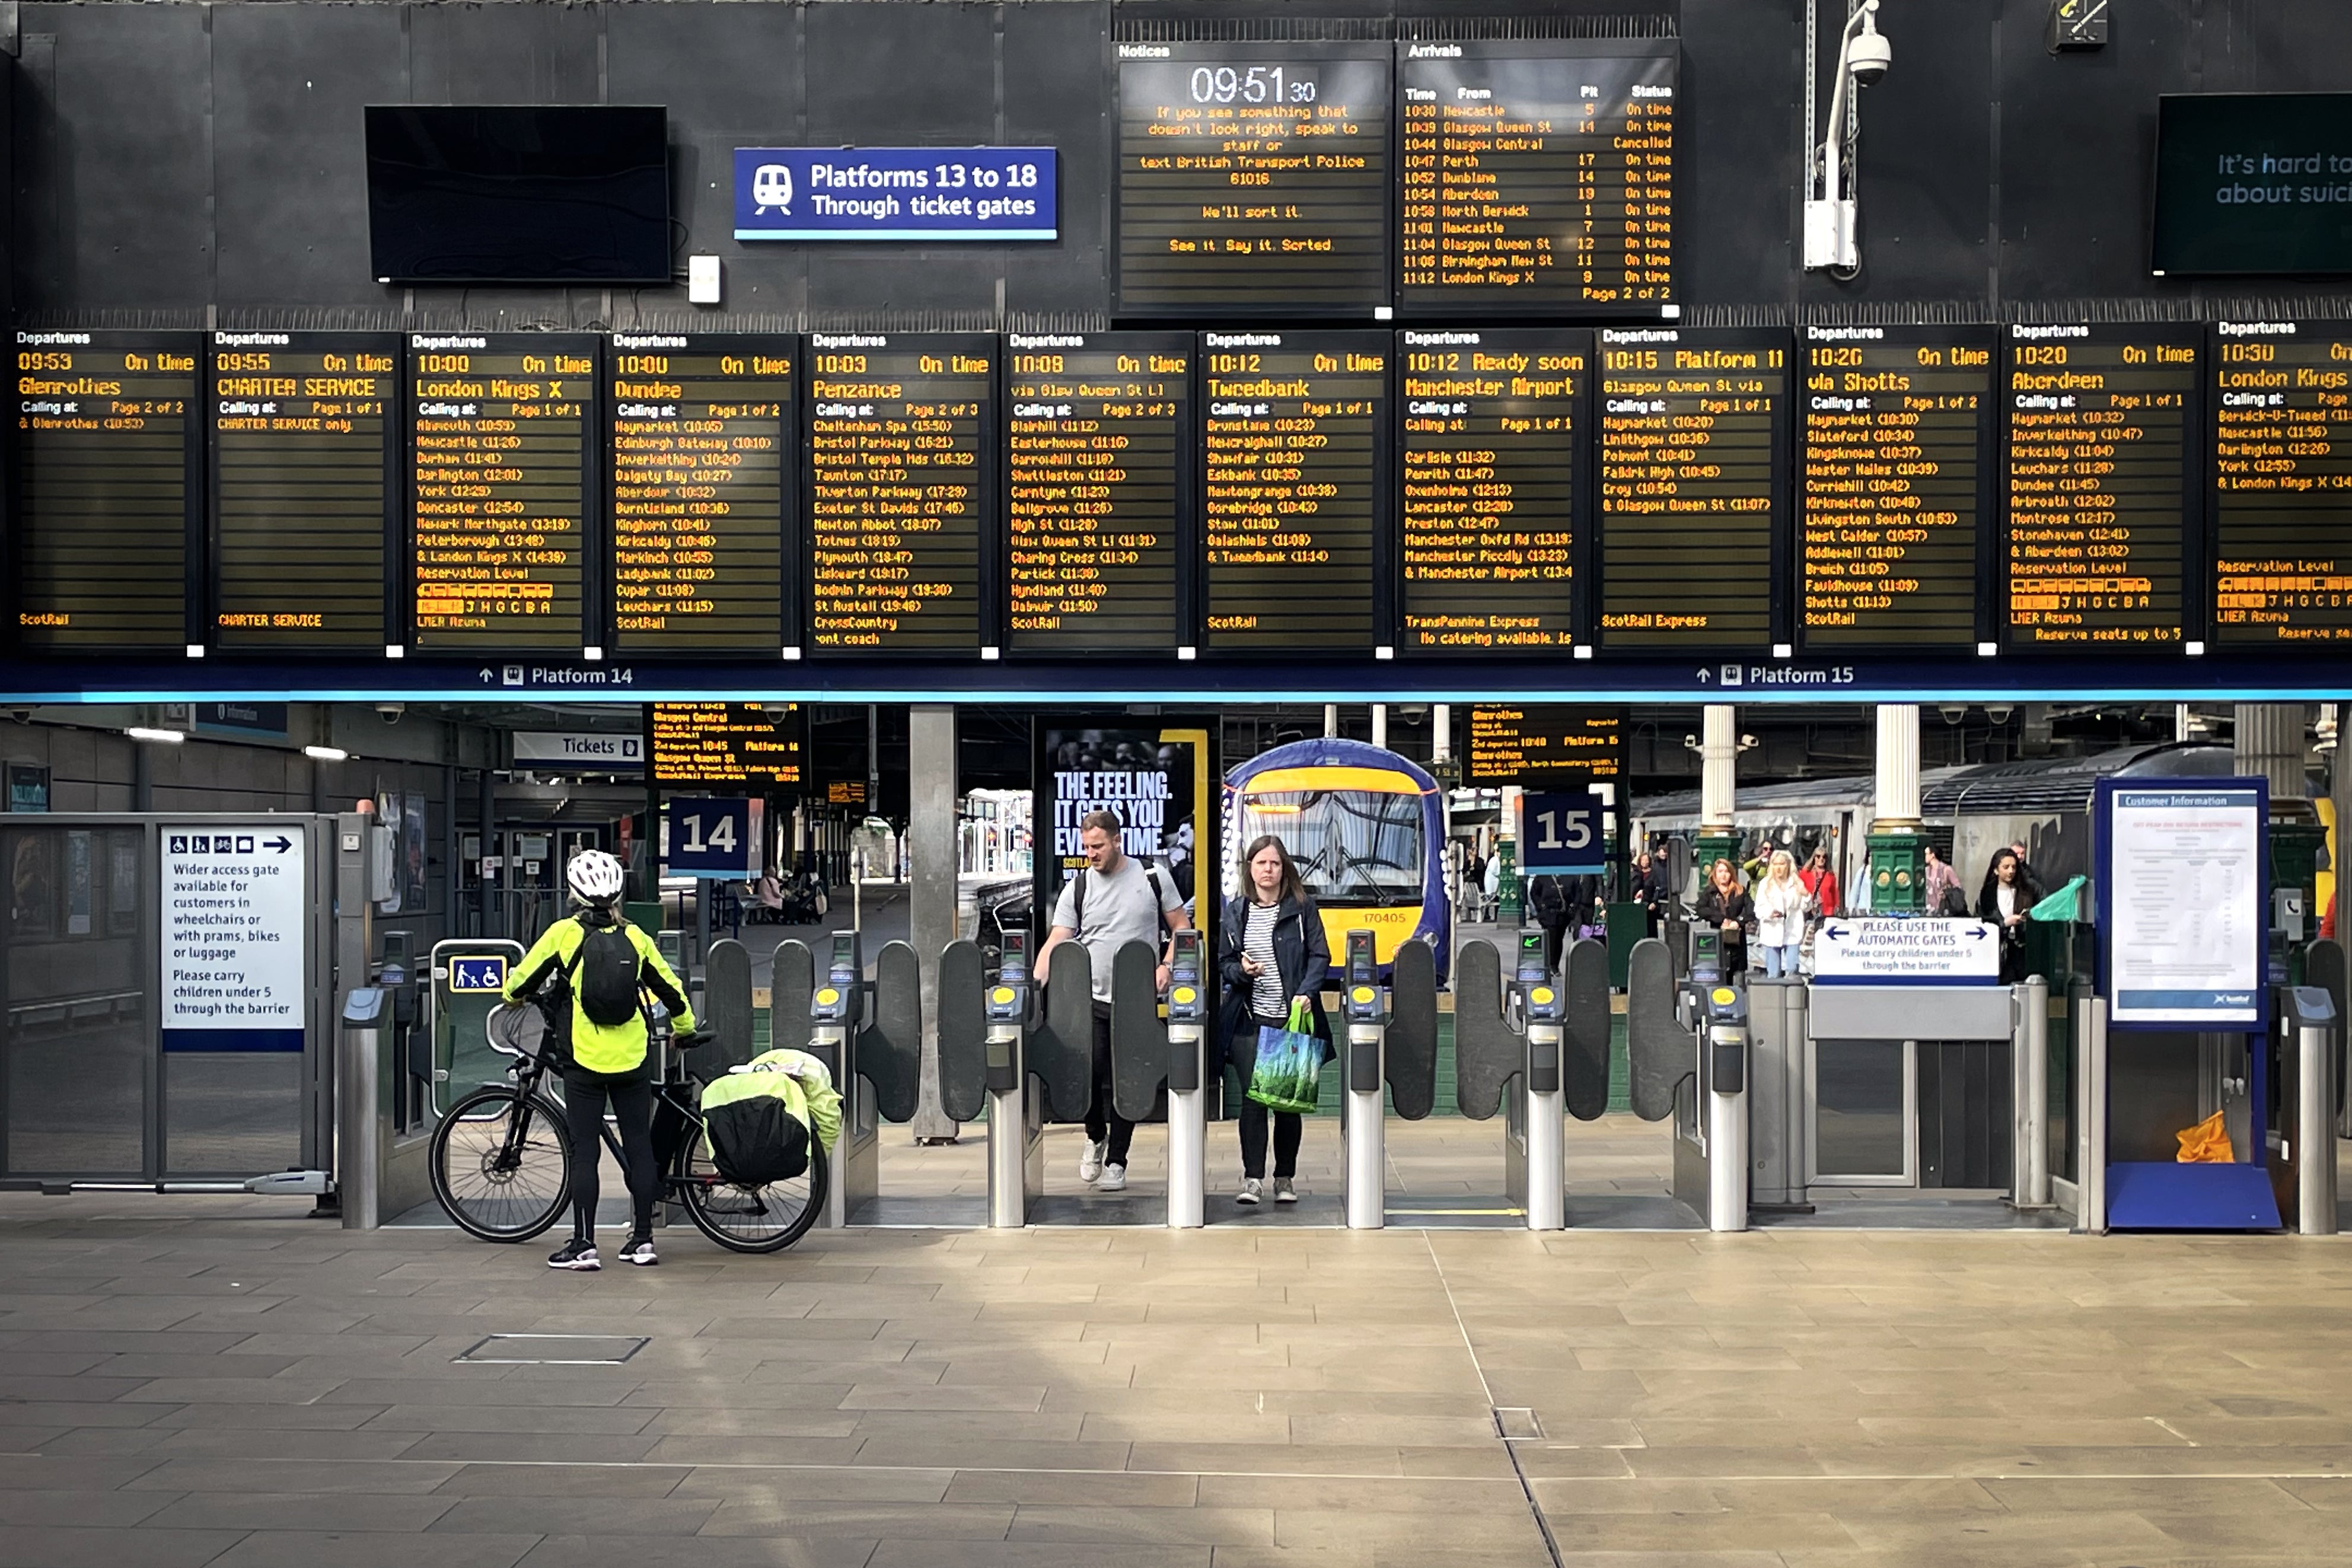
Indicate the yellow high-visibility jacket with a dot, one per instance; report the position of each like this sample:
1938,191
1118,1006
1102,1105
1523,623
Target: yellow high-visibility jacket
620,1047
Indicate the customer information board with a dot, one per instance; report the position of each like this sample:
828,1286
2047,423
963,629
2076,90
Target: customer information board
1253,176
305,465
1296,499
1694,426
505,430
110,479
1490,421
2183,922
1546,745
726,747
2282,483
1895,485
902,482
705,431
2102,487
1099,446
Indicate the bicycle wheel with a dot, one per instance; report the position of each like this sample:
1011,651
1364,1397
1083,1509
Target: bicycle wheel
501,1164
749,1219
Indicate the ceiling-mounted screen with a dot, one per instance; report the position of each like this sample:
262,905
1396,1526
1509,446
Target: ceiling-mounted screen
2252,182
517,193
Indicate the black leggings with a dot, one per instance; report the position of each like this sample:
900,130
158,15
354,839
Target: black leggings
1289,1127
632,1097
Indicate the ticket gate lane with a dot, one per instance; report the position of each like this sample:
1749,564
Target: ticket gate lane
1657,1045
1017,1150
1485,1047
963,1031
1584,1059
791,991
1062,1044
726,1014
1410,1053
1139,1040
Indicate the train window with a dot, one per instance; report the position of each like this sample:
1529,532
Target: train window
1353,848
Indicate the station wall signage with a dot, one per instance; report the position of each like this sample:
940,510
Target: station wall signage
986,194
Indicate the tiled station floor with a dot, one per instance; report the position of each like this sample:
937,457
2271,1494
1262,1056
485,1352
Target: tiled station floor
202,1382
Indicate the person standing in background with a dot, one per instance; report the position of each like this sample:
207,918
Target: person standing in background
1821,883
1272,951
2007,897
1722,904
1781,902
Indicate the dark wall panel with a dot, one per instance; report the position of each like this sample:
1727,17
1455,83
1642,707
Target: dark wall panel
1738,162
1058,93
509,54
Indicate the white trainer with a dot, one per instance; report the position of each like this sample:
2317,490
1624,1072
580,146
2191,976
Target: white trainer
1284,1193
1090,1163
1253,1190
1114,1179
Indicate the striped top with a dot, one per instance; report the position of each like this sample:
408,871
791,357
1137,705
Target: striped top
1267,997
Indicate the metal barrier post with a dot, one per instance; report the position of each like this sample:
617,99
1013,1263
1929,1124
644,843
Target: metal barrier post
2029,1086
2311,1011
2091,1117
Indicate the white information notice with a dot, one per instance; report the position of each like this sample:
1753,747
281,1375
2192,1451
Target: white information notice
235,921
1891,951
2184,927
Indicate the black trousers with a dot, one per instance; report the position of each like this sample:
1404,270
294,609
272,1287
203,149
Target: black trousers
1103,1121
630,1095
1289,1127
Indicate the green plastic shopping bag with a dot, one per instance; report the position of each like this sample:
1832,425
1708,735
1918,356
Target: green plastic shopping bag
1289,1071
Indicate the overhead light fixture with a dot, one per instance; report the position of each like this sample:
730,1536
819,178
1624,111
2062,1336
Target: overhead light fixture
161,736
327,753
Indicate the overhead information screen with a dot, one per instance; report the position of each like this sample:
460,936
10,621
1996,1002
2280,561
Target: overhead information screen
902,452
2282,483
505,435
726,747
305,467
110,469
1537,173
1297,434
1694,423
1894,485
1099,453
704,432
1490,430
1546,745
1253,176
2101,488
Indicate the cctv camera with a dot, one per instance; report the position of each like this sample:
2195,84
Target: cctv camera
1870,56
389,712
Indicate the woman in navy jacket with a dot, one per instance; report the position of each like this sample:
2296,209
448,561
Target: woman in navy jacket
1271,950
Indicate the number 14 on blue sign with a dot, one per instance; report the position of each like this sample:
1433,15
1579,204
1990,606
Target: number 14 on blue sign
1559,834
709,838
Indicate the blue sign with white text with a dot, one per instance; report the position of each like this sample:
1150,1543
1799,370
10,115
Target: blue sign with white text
705,838
986,194
1559,834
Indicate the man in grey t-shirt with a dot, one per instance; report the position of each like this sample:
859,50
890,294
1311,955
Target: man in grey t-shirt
1125,901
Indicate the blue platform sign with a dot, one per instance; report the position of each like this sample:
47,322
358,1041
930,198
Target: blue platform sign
905,193
1559,834
480,972
707,837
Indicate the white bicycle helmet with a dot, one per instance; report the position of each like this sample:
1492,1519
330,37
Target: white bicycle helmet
594,876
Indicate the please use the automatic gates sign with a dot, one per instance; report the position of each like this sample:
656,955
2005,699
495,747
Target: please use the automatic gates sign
1925,952
986,194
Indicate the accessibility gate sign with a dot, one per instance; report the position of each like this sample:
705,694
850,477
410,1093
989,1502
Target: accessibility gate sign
235,921
1892,951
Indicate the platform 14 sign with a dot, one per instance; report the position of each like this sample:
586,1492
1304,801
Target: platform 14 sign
1561,834
707,837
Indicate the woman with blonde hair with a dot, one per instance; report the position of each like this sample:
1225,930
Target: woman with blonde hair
1781,905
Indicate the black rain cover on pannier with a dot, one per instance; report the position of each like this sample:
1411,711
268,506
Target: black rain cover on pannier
757,1140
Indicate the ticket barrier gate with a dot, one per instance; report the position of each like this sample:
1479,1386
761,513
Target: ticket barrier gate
1363,1125
1687,1051
1536,1049
1188,1116
1017,1102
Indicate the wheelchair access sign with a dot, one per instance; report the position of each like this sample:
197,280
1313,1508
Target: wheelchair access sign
482,972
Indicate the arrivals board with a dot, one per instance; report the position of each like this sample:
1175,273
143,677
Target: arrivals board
2102,482
1545,745
1253,177
1537,173
305,467
109,481
726,747
505,432
1893,485
1488,436
705,432
1296,504
1099,479
902,464
2282,483
1693,428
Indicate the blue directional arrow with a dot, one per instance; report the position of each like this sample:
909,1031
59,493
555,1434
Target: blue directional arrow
1976,933
1836,931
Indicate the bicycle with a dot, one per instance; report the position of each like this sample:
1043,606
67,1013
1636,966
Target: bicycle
500,1161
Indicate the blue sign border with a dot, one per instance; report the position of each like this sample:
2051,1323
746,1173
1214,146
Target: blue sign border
898,179
2103,849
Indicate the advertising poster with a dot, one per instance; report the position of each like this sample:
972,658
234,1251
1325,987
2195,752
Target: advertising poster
1154,780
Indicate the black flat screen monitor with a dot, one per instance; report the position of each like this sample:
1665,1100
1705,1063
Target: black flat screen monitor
2252,182
518,194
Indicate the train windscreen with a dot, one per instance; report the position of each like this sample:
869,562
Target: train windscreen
1360,847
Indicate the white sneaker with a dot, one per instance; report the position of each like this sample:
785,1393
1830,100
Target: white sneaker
1253,1190
1090,1163
1284,1193
1114,1179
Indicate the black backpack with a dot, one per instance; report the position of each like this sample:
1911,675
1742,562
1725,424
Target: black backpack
757,1140
603,975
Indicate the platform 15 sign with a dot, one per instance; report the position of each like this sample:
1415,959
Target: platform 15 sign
1561,834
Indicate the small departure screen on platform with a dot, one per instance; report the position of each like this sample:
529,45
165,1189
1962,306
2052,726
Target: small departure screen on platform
305,465
1099,450
1253,176
902,451
704,433
729,747
1693,427
1546,745
1296,430
1537,173
1892,485
2282,483
1489,433
2101,482
505,429
109,478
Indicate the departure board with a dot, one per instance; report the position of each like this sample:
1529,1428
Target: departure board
1537,173
730,747
2282,483
505,432
110,477
1693,424
1894,485
1546,745
1098,452
1490,427
1297,436
2101,487
305,465
902,454
704,429
1253,176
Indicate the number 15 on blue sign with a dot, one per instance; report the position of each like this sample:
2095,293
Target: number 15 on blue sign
1559,834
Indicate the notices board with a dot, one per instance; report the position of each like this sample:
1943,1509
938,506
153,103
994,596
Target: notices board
235,908
110,469
1933,950
1491,424
729,746
2282,483
1546,745
2183,901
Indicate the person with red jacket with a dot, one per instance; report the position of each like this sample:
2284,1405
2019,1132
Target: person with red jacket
1821,882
